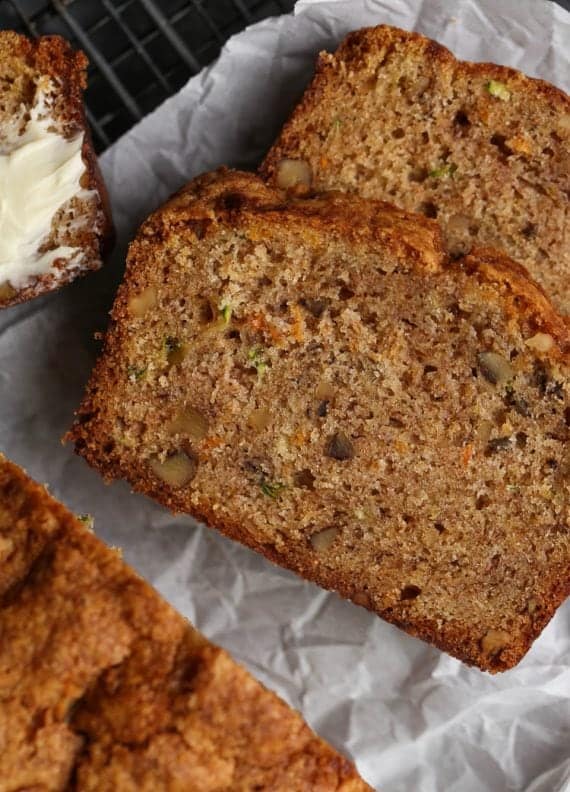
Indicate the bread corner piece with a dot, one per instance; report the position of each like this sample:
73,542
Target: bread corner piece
484,149
317,380
55,222
104,684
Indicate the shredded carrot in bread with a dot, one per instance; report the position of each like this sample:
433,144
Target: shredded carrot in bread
298,327
259,322
467,454
211,442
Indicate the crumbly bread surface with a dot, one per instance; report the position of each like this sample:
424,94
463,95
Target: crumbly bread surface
26,67
104,687
316,380
483,148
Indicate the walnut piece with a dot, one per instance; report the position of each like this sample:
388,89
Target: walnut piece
293,173
495,368
324,391
6,291
259,419
140,303
177,470
541,342
493,641
189,421
322,541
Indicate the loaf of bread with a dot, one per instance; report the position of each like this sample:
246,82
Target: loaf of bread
55,222
105,687
483,148
315,379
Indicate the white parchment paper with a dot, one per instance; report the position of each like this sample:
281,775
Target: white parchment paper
411,717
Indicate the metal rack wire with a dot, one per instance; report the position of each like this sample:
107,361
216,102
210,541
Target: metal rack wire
140,51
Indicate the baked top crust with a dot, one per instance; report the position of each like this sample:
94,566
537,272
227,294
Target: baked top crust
104,686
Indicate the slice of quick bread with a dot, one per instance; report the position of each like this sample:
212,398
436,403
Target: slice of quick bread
315,379
105,687
482,148
55,222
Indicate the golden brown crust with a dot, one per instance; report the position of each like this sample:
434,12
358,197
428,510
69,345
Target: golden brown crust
360,44
529,300
217,202
53,56
108,685
225,194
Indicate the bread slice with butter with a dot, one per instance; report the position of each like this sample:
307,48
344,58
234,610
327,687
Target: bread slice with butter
482,148
317,380
106,687
55,222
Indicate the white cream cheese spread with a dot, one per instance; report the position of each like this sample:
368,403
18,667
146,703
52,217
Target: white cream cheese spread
37,177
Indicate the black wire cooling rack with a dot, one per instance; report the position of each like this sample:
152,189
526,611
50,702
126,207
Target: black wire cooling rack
140,51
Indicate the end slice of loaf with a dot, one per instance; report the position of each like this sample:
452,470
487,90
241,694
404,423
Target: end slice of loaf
314,379
105,687
482,148
55,222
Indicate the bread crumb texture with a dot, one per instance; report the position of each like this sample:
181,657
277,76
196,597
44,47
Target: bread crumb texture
482,148
104,687
317,380
42,81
